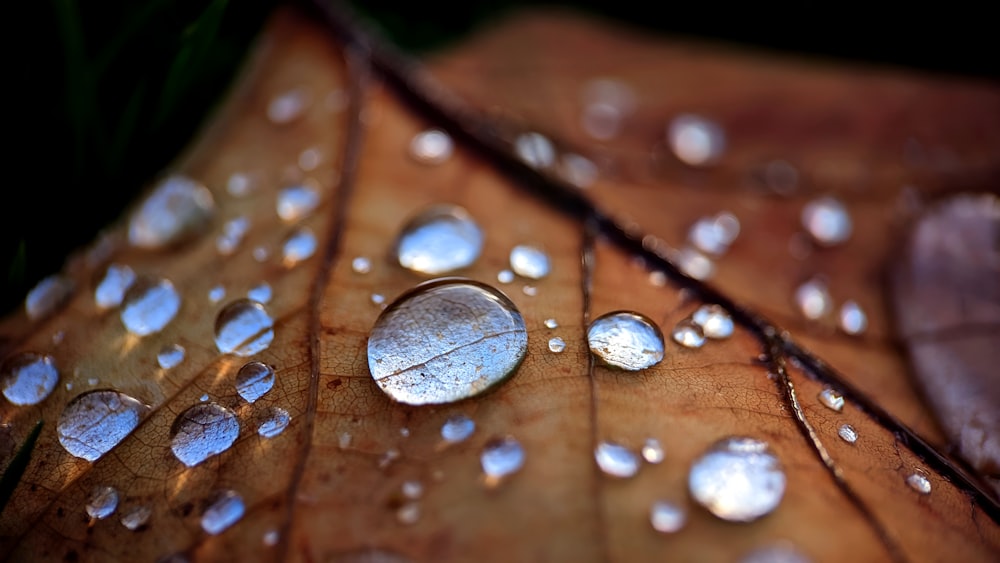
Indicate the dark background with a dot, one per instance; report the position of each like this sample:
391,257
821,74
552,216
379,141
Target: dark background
102,94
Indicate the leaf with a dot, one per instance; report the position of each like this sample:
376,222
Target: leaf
329,486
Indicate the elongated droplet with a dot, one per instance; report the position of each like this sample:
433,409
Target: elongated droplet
529,262
852,318
535,150
738,479
831,399
94,422
695,140
919,482
136,517
298,247
47,295
501,457
149,305
29,378
667,517
175,210
225,510
202,431
243,328
296,202
714,321
688,334
275,423
652,451
431,147
813,299
556,345
616,460
254,380
440,239
111,290
446,340
458,428
170,356
848,434
260,293
827,221
626,340
102,503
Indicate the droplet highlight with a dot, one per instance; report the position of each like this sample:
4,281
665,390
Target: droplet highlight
243,328
361,265
149,306
254,380
616,460
738,479
625,340
94,422
831,399
529,262
29,378
551,324
813,299
288,106
260,293
919,482
232,235
223,512
695,140
43,299
202,431
440,239
652,451
177,208
853,319
535,150
136,517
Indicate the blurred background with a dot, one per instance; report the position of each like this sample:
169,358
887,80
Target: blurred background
106,93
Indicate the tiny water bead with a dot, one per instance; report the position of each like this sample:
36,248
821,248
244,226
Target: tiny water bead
625,340
457,429
149,305
102,502
667,517
505,276
501,457
232,235
288,106
551,324
29,378
170,356
446,340
556,345
831,399
432,146
296,202
260,293
225,510
275,423
216,294
175,210
652,451
361,265
714,321
695,140
136,517
827,221
853,320
94,422
48,294
440,239
713,235
848,434
202,431
919,482
813,299
298,247
253,380
111,289
688,334
243,328
529,262
616,460
738,479
535,150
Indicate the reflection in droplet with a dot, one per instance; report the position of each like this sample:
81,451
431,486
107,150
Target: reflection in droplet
551,324
299,246
29,378
848,433
48,294
667,517
149,305
695,140
432,146
202,431
170,356
275,423
136,517
688,334
852,318
714,321
813,299
827,221
295,202
111,290
260,293
501,457
919,482
616,460
439,239
102,502
94,422
288,106
457,428
625,340
243,328
505,276
831,399
225,510
216,293
446,340
529,262
232,235
176,209
556,345
535,150
738,479
254,380
361,265
652,451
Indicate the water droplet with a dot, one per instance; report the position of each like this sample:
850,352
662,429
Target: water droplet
111,290
551,324
378,299
170,356
446,340
202,431
852,318
695,264
413,489
616,460
667,517
404,432
310,159
714,321
431,147
288,106
261,254
203,398
361,265
713,235
239,184
391,455
243,328
501,457
738,479
535,150
827,221
260,293
457,428
94,422
919,482
102,502
848,433
695,140
556,345
276,422
779,553
29,378
652,451
299,246
176,209
48,294
440,239
688,334
626,340
254,380
578,170
149,305
136,517
271,538
296,202
505,276
529,290
813,299
216,293
408,514
232,235
529,262
657,279
225,510
345,440
601,121
831,399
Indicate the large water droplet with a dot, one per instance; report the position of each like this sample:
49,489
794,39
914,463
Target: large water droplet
254,380
440,239
813,299
529,262
48,294
361,265
919,482
202,431
170,356
29,378
176,209
446,340
852,318
243,328
223,512
299,246
667,517
831,399
848,434
431,147
738,479
296,202
626,340
149,305
501,457
827,221
535,150
136,517
616,460
102,502
275,423
695,140
111,290
94,422
457,428
688,334
714,321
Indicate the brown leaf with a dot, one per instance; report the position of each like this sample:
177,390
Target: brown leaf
329,486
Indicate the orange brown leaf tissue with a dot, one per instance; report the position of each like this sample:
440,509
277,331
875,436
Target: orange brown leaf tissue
675,335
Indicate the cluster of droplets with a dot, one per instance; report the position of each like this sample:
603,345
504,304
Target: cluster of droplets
815,302
707,322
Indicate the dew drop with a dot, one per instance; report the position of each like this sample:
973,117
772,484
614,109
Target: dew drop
652,451
457,429
813,299
275,423
170,356
299,246
149,305
714,321
243,328
505,276
852,318
254,380
260,293
848,433
446,340
136,517
529,262
216,293
102,502
441,238
919,482
556,345
667,517
288,106
202,431
535,150
232,235
29,378
616,460
225,510
625,340
551,324
695,140
831,399
111,290
738,479
94,422
827,221
296,202
501,457
175,210
409,513
688,334
48,294
431,147
361,265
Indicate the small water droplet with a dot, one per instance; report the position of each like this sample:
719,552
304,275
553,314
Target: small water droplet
779,553
261,254
657,279
361,265
446,340
695,264
170,356
919,482
232,235
111,290
652,451
556,345
848,433
827,221
529,290
813,299
202,431
738,479
688,334
29,378
243,328
529,262
203,398
713,235
439,239
296,202
505,276
601,121
239,184
288,106
310,159
253,380
409,513
404,432
178,208
94,422
535,150
378,299
276,422
149,305
616,460
225,510
831,399
136,517
500,458
102,502
626,340
271,538
216,294
695,140
852,318
551,324
299,246
667,517
260,293
457,428
578,170
43,299
714,321
413,489
345,440
431,147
